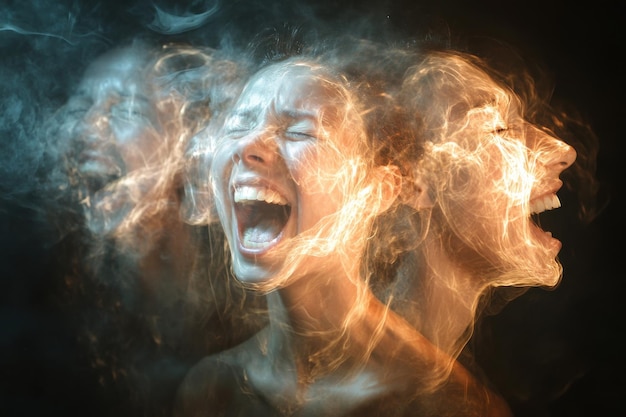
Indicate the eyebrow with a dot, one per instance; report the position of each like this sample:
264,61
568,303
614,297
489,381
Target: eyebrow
138,97
80,92
247,114
243,115
298,114
83,92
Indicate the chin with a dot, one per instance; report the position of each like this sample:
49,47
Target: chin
253,275
536,267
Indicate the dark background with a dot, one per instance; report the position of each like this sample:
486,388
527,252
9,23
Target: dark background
551,353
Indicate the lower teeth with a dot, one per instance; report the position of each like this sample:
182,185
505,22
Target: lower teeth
254,240
255,245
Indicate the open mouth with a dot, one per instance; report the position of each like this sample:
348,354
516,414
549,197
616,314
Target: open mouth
262,215
97,161
547,202
542,204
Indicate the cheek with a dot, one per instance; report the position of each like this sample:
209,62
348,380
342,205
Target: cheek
131,131
70,124
217,162
471,199
215,173
485,210
140,148
315,189
316,168
320,180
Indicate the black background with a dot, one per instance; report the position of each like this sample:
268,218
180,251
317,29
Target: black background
552,353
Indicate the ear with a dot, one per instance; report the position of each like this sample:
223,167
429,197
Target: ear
416,194
389,182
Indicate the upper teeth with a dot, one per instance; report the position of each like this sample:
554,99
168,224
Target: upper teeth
247,194
544,203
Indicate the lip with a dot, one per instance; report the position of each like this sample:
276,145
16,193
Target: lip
92,155
257,252
256,182
540,234
546,238
552,188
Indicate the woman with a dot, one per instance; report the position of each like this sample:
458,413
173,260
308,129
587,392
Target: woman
485,176
300,170
125,131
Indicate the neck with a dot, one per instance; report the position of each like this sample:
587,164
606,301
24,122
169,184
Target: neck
318,323
449,297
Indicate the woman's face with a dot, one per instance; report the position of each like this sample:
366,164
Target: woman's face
492,171
112,119
277,164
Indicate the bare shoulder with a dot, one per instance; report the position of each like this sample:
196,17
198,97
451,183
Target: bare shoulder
204,385
217,386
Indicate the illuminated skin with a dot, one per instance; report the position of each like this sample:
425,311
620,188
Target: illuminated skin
331,348
514,169
112,118
284,154
485,171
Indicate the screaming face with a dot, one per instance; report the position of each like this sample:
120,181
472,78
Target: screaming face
490,172
278,163
112,121
262,214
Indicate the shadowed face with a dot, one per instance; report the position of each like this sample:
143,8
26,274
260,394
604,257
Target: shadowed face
112,119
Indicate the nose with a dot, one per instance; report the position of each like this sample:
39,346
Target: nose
553,153
92,127
568,155
257,149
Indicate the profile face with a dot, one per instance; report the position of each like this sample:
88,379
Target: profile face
112,119
277,164
493,172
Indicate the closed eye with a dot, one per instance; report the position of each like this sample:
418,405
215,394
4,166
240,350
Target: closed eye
296,135
237,128
78,106
76,111
238,125
130,111
301,127
235,133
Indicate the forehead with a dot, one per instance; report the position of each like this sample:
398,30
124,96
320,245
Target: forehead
480,91
293,85
121,70
467,98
